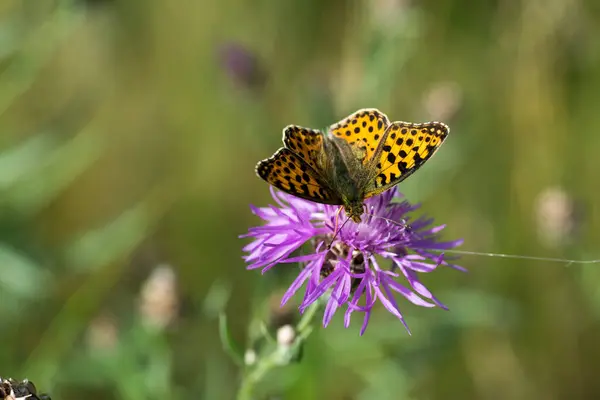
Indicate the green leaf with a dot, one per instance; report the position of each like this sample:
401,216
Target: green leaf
21,276
230,346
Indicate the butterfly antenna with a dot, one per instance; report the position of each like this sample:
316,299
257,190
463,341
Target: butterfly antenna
499,255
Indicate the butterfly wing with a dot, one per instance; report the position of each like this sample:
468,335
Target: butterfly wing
363,130
407,146
305,143
290,173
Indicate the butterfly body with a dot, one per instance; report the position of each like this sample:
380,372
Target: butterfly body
359,157
343,171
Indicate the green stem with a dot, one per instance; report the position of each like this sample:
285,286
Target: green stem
281,355
261,368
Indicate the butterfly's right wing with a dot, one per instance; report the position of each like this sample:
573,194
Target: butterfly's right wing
288,172
406,148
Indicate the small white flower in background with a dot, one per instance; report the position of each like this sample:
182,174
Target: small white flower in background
286,335
556,216
388,14
443,100
159,301
103,332
249,357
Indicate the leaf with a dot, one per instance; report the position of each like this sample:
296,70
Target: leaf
21,276
230,346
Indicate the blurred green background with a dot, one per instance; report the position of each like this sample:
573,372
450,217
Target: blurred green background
129,131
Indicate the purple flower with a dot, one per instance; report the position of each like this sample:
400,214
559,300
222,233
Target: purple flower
241,65
347,269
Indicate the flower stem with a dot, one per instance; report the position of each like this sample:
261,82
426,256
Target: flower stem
281,355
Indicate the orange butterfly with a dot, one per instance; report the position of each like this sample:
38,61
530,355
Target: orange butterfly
359,157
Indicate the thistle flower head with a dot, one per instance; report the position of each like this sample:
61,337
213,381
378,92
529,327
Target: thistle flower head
355,264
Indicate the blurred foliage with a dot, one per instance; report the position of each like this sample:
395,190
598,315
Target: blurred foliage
129,131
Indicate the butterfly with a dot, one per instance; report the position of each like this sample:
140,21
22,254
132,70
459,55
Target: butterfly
360,156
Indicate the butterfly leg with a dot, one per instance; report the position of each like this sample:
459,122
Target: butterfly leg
337,219
335,226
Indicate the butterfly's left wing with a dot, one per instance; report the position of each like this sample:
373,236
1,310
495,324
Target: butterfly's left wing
304,142
406,148
363,130
288,172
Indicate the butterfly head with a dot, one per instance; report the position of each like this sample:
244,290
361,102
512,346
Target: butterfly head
354,209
